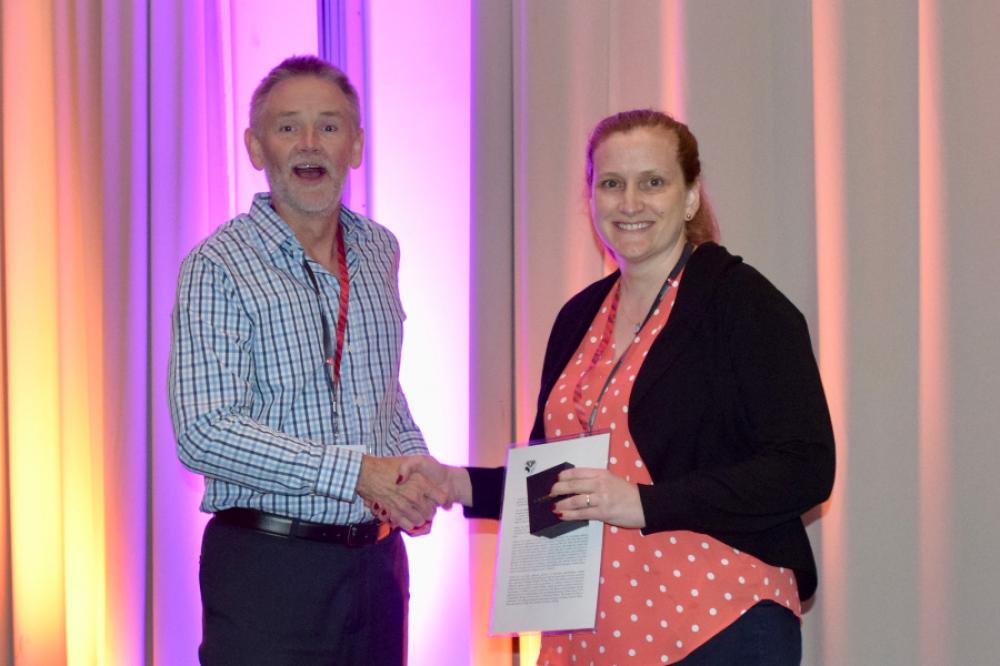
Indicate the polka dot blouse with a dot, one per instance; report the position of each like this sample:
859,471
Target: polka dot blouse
662,595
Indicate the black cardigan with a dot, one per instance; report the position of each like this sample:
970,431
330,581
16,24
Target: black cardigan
727,412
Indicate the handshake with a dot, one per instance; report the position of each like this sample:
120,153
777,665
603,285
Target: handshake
406,491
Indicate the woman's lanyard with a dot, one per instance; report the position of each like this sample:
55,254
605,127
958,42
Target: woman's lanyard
332,357
606,338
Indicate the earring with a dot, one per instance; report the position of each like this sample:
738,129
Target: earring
689,217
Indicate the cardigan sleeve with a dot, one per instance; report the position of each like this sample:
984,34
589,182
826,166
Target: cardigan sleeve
487,492
786,463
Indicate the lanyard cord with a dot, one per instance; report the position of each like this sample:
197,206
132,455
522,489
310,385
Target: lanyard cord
606,338
332,357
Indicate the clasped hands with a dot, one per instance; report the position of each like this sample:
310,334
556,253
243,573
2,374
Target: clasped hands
407,490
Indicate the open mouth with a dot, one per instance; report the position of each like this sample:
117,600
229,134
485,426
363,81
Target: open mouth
309,171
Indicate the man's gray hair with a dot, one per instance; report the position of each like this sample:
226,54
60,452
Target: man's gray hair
302,66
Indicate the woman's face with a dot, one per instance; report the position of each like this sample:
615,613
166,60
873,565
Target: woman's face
639,200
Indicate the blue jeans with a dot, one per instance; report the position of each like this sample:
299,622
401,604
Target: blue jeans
766,635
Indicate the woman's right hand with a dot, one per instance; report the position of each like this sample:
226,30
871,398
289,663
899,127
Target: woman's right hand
454,481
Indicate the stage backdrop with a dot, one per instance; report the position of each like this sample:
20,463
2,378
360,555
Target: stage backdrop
849,150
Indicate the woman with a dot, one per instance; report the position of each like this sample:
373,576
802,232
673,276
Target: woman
721,437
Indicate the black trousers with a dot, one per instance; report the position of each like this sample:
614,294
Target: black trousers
274,601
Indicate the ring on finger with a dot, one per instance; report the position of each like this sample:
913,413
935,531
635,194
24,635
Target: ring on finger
588,500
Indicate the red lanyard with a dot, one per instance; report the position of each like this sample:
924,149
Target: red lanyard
332,357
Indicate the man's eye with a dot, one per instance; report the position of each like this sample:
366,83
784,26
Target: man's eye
285,129
329,128
608,184
656,181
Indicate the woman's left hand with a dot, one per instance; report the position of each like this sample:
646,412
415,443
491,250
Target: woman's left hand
597,494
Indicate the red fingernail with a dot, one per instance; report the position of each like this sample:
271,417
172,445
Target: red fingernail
375,506
399,479
558,515
383,512
553,508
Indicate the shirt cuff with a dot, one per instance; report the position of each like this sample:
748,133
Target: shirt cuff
338,473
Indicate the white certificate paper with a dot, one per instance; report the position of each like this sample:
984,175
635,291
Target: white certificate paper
545,584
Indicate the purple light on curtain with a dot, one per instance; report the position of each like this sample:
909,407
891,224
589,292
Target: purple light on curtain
124,43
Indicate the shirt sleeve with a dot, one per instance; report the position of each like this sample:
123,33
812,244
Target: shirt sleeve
403,431
212,401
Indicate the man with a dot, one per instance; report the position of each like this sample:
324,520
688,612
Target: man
285,395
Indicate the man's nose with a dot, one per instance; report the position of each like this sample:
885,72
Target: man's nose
308,139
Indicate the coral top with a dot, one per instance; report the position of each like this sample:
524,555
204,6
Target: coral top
662,595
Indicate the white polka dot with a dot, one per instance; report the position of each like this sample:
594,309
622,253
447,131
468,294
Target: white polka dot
756,597
766,581
616,633
635,339
618,598
593,339
603,615
614,530
704,545
631,652
616,564
664,624
690,558
677,573
613,460
725,562
634,583
781,569
562,400
736,550
664,658
663,588
601,649
625,408
695,628
617,392
602,580
631,548
673,540
638,463
655,331
710,576
589,403
633,617
742,580
604,410
583,644
728,596
569,417
649,603
573,657
559,649
694,592
679,608
658,553
649,638
548,416
558,432
604,310
613,426
645,567
631,378
680,644
713,612
627,444
777,592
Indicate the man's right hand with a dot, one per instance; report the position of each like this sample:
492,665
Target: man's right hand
454,481
408,500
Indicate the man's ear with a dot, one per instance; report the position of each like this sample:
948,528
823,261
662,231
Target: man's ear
254,149
358,149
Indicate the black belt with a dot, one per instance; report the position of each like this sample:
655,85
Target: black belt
358,534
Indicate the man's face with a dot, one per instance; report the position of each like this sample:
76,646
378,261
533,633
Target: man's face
305,143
